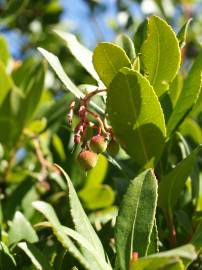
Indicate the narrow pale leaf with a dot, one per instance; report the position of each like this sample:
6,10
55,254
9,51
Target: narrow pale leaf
57,67
80,219
35,255
47,210
81,53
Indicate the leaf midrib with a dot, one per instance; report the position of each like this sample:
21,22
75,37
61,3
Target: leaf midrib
137,122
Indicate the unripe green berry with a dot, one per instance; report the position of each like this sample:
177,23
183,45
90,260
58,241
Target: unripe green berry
113,148
87,159
98,144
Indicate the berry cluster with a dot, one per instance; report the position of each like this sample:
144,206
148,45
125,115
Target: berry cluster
99,143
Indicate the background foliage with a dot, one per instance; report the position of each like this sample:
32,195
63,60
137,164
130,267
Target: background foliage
40,226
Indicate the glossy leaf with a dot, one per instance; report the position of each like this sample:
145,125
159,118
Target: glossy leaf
108,59
21,229
139,122
160,54
135,219
188,96
172,184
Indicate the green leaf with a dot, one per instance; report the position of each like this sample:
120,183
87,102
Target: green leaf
48,211
136,218
36,256
83,242
176,88
21,229
147,263
5,82
189,95
140,35
154,241
81,53
33,90
160,54
172,184
80,219
127,45
139,122
4,51
197,238
182,34
166,260
95,197
190,128
108,59
57,67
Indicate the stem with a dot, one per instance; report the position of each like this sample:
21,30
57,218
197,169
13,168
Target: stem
85,100
45,164
171,227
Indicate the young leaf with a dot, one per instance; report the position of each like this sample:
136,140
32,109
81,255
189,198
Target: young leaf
127,45
108,58
188,96
136,218
182,34
57,67
81,53
139,122
21,229
171,184
160,54
36,256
